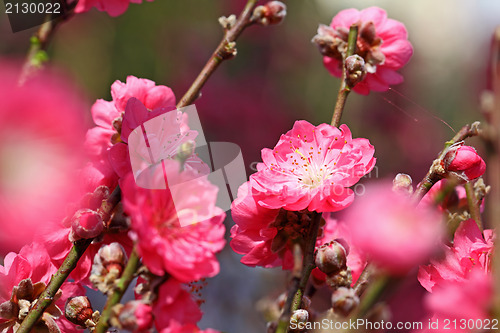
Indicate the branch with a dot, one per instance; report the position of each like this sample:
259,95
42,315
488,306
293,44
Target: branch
65,270
344,90
299,283
433,176
122,285
220,54
39,42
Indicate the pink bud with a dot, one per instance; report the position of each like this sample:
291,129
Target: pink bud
464,162
273,12
86,224
331,258
78,310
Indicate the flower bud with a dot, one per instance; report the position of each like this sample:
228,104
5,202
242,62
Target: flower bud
273,12
134,316
331,43
342,279
108,266
355,70
344,300
86,224
299,316
331,258
464,162
402,184
78,310
113,256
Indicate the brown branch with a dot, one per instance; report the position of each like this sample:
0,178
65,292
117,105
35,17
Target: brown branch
222,52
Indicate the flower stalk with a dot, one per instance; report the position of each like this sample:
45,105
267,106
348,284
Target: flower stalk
344,89
299,282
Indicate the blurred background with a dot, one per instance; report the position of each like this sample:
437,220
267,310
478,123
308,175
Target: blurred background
276,78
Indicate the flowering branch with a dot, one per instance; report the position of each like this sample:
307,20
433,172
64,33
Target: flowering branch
433,175
78,249
344,89
122,285
299,282
225,50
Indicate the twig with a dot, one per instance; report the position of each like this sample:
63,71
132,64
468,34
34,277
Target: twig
220,54
299,283
127,277
432,176
64,271
344,89
39,42
473,203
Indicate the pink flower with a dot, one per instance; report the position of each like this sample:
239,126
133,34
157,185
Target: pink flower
455,200
23,277
175,306
264,236
470,250
462,301
311,167
108,116
179,229
175,327
41,127
112,7
391,231
382,43
464,162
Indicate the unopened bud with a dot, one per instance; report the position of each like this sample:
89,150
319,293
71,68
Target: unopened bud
331,43
464,162
85,224
402,184
299,316
341,279
228,51
8,310
227,22
113,256
273,12
134,316
78,310
344,300
108,266
331,258
355,70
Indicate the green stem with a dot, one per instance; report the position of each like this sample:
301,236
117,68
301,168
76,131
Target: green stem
473,204
299,283
122,285
65,270
344,90
243,21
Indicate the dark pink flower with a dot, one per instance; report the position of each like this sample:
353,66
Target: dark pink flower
264,236
178,229
108,116
33,267
312,167
382,42
470,250
464,162
391,231
112,7
41,126
175,306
